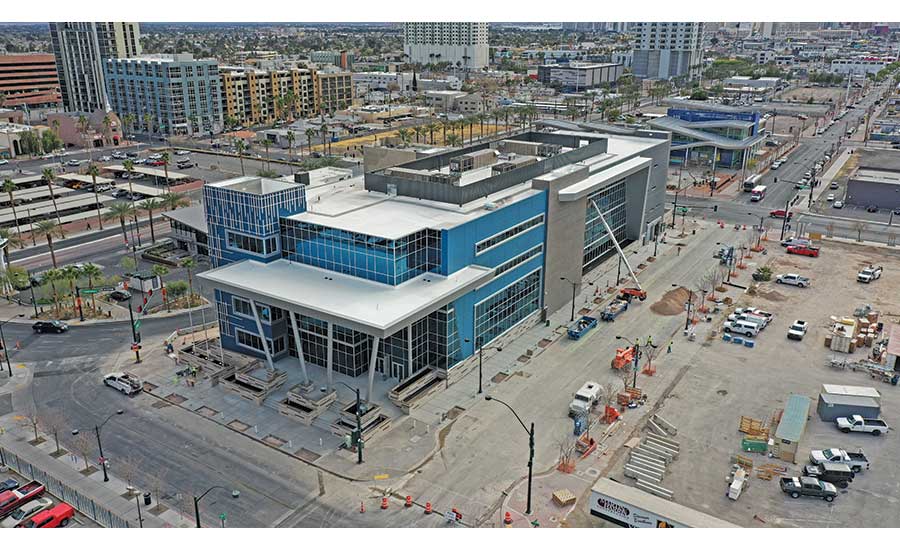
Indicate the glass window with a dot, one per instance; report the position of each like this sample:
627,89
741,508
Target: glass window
508,234
501,311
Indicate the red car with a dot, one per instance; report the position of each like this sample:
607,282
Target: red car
780,214
58,516
810,251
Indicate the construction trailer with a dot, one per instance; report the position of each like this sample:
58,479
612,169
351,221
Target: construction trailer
628,506
830,407
790,430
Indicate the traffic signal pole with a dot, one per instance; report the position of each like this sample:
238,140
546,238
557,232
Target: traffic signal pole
135,335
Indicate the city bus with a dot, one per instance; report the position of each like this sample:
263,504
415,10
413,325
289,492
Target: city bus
751,182
758,193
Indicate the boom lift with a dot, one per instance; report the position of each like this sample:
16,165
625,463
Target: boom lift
626,293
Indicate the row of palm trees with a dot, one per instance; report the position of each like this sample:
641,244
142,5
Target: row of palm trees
454,131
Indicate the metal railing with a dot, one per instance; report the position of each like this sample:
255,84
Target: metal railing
60,490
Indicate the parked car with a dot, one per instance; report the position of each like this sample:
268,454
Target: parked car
830,197
10,500
119,155
154,163
58,327
796,241
837,204
797,330
105,158
125,382
834,185
811,251
58,516
741,327
780,213
857,461
869,274
792,279
120,295
871,208
857,423
26,511
8,485
182,153
155,156
839,474
186,164
754,311
808,486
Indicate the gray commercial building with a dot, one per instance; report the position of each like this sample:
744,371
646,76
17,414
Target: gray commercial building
80,50
877,180
181,94
667,50
580,76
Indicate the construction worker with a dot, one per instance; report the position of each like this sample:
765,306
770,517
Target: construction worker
669,349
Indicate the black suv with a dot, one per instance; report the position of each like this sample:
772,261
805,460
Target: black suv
838,474
120,295
50,326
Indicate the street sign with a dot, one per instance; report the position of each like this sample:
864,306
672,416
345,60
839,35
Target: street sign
223,516
90,290
683,210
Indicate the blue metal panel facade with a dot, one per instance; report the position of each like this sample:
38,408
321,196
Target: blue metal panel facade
701,116
231,214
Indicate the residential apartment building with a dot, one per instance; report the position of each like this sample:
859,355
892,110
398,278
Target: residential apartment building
29,81
182,95
580,76
667,50
407,270
81,50
333,90
463,45
251,96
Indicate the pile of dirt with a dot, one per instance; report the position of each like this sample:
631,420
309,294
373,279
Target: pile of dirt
771,295
672,302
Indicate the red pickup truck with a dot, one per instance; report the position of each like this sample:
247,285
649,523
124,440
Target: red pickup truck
10,500
810,251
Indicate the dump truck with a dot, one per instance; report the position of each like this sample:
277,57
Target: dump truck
584,399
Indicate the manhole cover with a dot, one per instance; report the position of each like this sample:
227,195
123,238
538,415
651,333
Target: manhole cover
593,472
238,425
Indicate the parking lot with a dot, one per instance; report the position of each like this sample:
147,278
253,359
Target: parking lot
80,520
726,381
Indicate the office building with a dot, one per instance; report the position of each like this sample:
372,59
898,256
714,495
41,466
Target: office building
667,50
406,268
81,49
29,81
181,94
463,45
580,76
253,96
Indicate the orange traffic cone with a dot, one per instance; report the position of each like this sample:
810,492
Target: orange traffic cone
408,501
362,507
384,503
428,508
507,519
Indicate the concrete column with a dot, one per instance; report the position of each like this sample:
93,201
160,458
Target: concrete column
299,345
376,340
330,356
262,336
409,351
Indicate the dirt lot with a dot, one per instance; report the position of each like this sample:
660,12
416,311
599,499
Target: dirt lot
726,381
818,95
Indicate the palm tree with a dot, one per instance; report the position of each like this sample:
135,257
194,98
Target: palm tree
49,229
481,117
161,271
496,114
310,134
92,272
53,276
70,274
93,171
55,126
48,176
432,126
9,186
445,125
190,264
240,146
323,131
165,161
151,205
83,126
12,238
148,124
173,200
129,120
404,135
419,131
290,139
120,211
266,143
193,120
107,125
453,140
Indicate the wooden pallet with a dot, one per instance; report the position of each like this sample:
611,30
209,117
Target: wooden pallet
744,463
753,427
769,471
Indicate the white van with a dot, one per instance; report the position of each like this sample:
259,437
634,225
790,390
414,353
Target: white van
741,327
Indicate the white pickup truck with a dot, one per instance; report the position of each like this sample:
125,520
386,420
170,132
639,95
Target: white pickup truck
126,383
857,461
857,423
869,274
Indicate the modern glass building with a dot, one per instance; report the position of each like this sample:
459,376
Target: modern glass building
407,268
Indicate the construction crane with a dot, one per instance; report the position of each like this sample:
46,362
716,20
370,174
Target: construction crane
629,292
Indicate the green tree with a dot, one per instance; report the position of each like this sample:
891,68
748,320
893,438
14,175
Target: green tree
93,273
70,274
161,271
165,161
453,140
404,135
53,276
9,187
93,171
177,289
120,211
49,229
310,134
190,264
151,205
240,147
13,239
48,177
50,141
291,137
84,126
173,200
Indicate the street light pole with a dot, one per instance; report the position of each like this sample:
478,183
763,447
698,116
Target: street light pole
234,494
97,428
137,499
5,347
135,338
530,447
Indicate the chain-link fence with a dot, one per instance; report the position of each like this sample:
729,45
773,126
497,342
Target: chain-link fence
62,491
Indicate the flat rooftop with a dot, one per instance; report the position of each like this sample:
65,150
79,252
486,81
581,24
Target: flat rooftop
877,176
356,303
254,185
